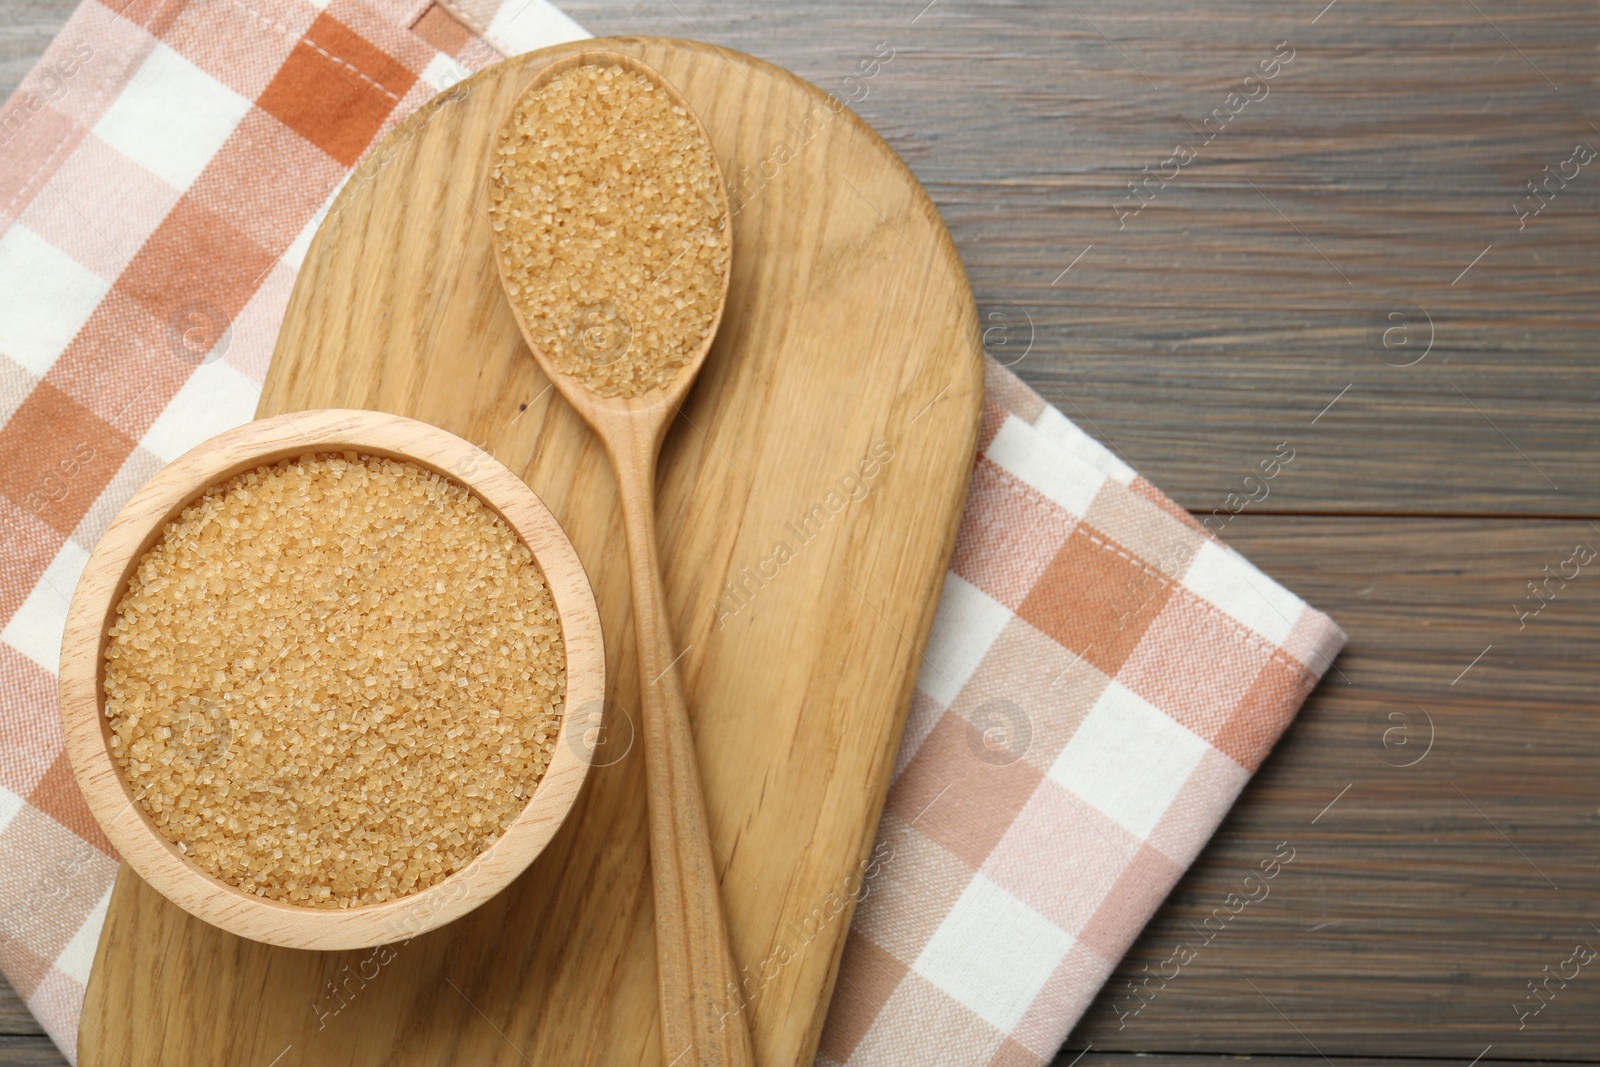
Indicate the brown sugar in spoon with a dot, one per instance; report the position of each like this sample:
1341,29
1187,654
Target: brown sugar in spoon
613,239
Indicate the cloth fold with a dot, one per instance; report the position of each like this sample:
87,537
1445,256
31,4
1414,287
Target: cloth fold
1103,675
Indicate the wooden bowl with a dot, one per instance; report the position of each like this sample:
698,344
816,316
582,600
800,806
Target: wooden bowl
141,524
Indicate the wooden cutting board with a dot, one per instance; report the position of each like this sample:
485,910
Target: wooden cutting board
821,463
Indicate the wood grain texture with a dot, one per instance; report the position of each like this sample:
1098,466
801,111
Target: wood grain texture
1097,1058
15,1018
847,366
695,966
26,30
1388,152
29,1051
1418,905
140,525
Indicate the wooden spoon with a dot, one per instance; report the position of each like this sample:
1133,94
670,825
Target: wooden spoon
702,1021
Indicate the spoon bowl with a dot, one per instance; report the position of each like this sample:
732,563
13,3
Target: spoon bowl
608,333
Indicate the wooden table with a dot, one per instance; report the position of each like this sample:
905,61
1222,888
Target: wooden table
1282,285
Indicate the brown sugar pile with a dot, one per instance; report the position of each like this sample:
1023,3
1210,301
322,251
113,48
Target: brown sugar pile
611,228
335,680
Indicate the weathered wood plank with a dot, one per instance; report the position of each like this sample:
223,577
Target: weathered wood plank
15,1018
1379,163
1097,1058
26,30
29,1052
1421,902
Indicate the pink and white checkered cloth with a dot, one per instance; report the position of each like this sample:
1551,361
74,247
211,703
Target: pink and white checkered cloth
1103,676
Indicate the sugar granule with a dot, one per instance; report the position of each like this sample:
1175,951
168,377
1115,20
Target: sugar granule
612,232
335,680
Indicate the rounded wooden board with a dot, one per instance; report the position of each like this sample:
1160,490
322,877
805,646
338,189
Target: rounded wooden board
820,464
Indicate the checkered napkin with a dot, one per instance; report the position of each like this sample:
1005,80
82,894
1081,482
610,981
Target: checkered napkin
1103,676
1102,680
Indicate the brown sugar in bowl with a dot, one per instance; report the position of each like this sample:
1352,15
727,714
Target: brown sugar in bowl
143,523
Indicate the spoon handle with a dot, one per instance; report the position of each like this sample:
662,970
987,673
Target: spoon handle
702,1017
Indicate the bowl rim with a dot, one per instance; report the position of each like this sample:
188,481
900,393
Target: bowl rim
142,522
